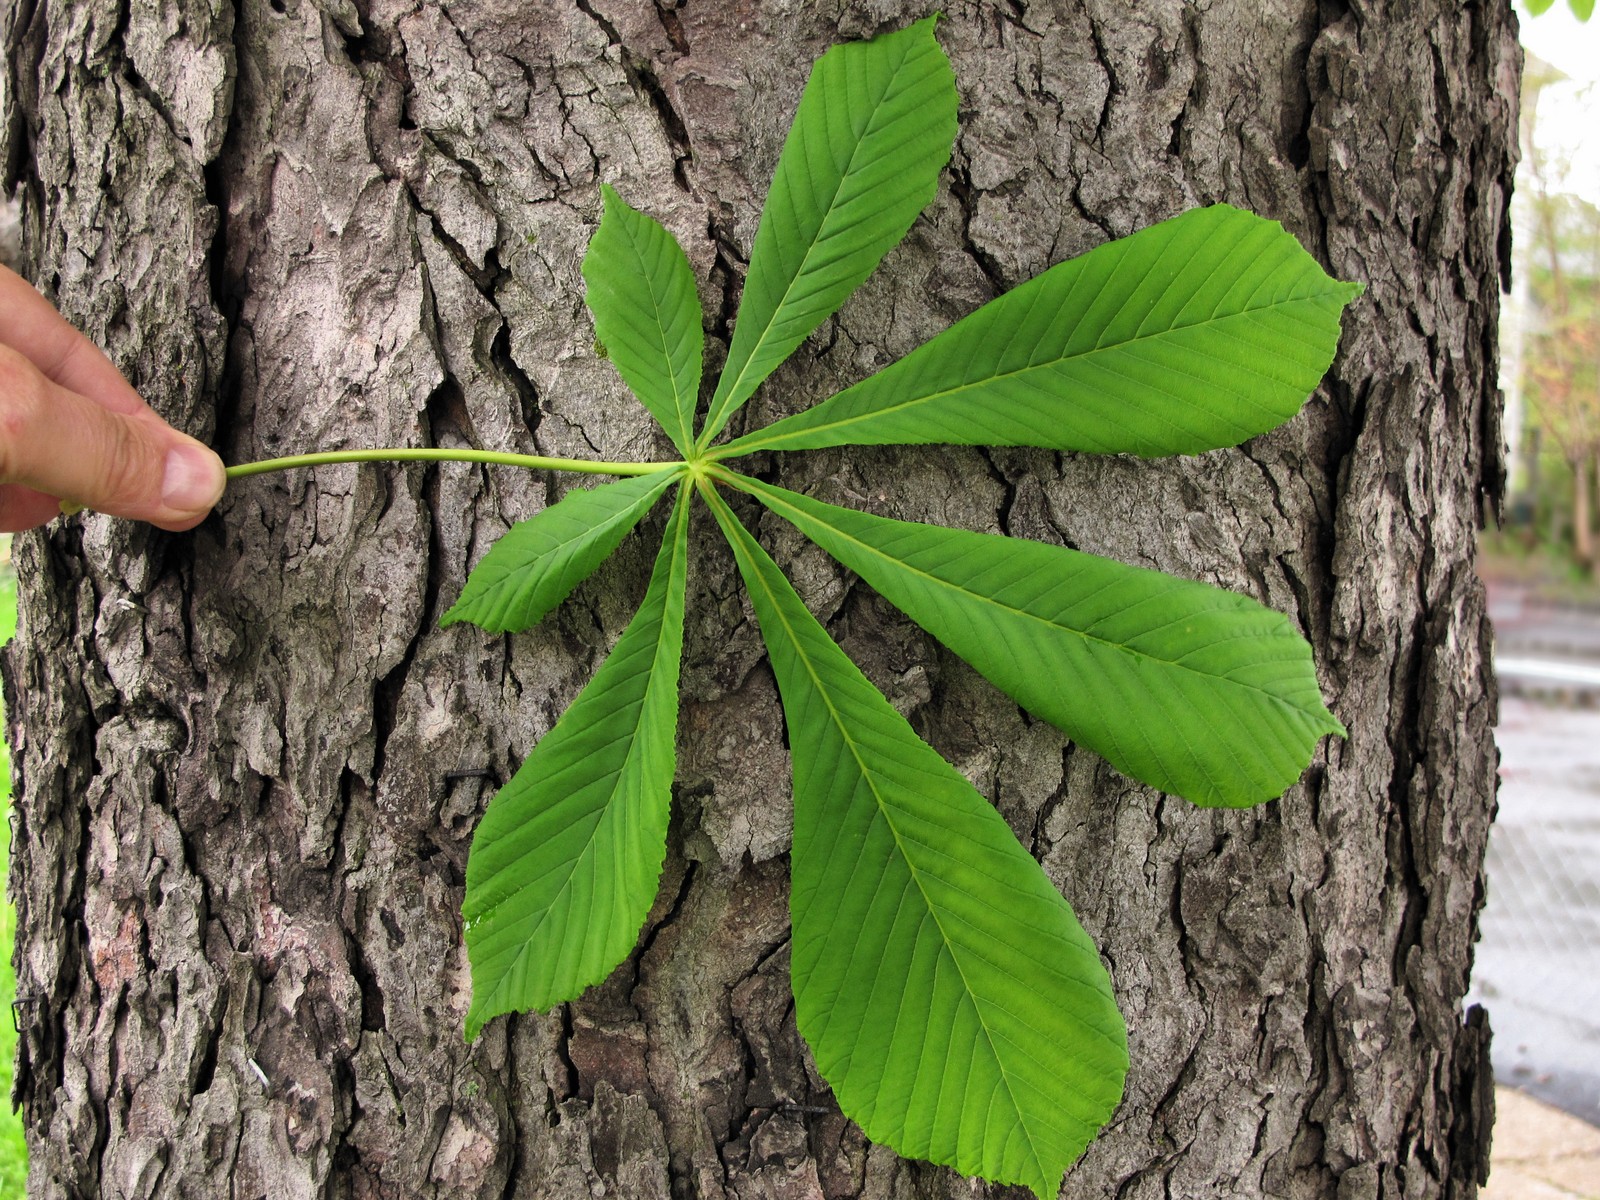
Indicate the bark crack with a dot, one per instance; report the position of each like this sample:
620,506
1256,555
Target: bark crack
966,196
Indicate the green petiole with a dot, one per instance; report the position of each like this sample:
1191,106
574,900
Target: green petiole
534,462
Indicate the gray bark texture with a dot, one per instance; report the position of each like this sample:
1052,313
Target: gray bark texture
249,763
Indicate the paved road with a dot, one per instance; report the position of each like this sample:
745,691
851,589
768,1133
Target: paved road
1538,964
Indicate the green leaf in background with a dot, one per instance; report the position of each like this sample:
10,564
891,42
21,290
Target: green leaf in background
641,292
1582,9
536,563
565,863
947,991
873,131
1198,691
1195,333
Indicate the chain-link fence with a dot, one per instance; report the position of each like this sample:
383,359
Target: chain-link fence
1538,964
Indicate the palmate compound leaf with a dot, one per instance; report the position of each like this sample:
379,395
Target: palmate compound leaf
536,563
1198,691
640,289
1196,333
947,991
872,132
565,863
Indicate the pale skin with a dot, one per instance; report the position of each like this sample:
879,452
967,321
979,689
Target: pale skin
73,432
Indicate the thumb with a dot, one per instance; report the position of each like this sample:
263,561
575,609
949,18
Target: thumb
65,445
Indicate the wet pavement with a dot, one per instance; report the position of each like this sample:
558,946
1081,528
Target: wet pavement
1538,963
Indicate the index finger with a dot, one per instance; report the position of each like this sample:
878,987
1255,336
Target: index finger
34,329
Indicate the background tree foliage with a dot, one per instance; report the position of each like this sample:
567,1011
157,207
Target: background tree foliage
1558,352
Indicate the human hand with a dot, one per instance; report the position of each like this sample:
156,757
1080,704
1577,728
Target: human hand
72,429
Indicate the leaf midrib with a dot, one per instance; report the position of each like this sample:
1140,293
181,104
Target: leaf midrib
575,860
685,420
883,810
725,405
756,441
955,587
636,741
527,573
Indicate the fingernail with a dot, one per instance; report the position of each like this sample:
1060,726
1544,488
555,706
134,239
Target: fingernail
193,478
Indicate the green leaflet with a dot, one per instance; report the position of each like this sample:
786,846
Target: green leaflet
538,562
565,863
1198,691
641,291
1195,333
946,990
872,132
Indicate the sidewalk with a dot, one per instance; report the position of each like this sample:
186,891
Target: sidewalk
1541,1153
1537,969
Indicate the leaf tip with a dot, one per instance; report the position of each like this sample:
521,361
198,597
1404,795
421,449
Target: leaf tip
611,204
1328,724
463,613
479,1016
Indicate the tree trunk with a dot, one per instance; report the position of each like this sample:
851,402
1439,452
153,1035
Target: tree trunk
1582,531
1592,463
249,763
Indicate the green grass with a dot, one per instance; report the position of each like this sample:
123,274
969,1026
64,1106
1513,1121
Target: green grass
13,1149
1550,573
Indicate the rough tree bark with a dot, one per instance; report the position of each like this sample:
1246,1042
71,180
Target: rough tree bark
249,763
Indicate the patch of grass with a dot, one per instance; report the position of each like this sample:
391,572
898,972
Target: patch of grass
13,1147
